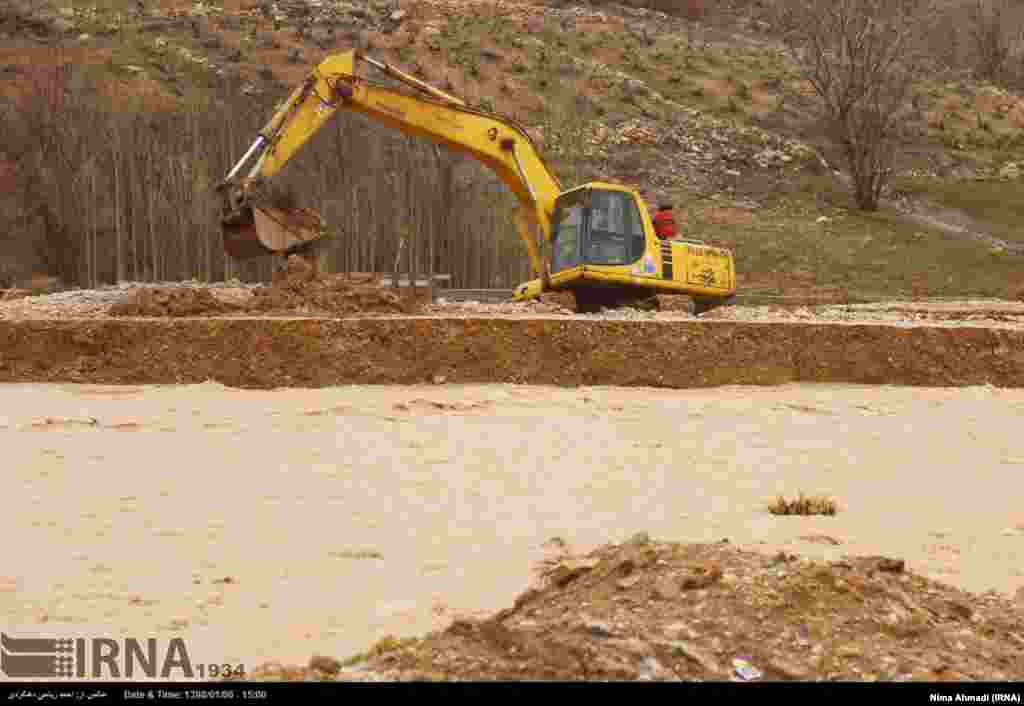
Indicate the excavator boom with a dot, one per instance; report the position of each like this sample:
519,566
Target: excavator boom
253,228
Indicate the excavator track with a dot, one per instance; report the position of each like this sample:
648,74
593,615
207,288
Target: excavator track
591,300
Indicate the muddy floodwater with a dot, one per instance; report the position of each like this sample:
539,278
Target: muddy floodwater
264,525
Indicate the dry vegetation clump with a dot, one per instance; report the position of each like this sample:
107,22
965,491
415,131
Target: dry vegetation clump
803,505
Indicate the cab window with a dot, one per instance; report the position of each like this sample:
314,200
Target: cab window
616,233
568,233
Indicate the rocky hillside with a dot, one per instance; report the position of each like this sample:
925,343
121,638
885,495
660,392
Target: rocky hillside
710,113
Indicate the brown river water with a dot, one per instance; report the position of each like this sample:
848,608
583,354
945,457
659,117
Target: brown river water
342,515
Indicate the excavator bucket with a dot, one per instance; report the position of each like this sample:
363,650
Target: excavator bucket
255,232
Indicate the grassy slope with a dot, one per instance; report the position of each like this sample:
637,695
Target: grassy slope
785,247
499,62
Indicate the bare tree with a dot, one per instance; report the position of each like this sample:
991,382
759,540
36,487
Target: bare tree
861,57
987,28
694,12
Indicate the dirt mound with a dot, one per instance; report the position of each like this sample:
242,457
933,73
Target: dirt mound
10,295
172,301
668,612
298,289
301,288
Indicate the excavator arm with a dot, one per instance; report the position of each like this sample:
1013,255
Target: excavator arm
254,228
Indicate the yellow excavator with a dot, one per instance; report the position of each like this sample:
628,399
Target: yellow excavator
596,240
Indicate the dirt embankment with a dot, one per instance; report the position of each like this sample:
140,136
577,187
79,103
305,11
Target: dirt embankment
668,612
312,330
312,352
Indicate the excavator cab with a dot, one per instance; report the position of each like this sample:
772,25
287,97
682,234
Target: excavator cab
603,248
595,226
596,231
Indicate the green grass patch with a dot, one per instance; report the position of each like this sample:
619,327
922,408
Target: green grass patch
382,646
784,248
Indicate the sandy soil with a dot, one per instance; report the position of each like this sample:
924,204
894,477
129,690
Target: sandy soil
280,524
